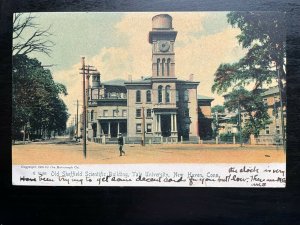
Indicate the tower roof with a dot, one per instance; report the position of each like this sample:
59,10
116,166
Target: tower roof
162,22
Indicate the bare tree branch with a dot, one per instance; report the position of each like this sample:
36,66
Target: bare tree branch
38,41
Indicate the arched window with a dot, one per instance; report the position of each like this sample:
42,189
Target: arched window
157,67
163,67
159,94
92,115
148,96
186,95
167,94
168,67
138,96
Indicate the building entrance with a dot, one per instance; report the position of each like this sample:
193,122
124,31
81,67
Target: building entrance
166,125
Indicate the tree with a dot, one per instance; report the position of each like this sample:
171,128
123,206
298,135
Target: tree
263,34
37,38
36,99
217,110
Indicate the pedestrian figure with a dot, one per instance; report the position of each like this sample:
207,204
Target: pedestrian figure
121,143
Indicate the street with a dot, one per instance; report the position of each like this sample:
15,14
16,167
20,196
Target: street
63,151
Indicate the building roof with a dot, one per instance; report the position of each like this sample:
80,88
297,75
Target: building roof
202,97
116,82
148,80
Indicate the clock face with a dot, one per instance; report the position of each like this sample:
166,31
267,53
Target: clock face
164,46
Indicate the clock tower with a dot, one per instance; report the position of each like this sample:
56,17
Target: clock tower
162,38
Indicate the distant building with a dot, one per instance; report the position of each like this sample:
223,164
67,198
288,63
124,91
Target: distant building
273,130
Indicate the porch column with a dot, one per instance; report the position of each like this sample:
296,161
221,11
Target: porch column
172,122
175,122
118,128
155,123
98,128
159,123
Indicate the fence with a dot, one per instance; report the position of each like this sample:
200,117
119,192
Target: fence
268,140
148,140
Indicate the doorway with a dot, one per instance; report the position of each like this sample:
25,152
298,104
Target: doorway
166,125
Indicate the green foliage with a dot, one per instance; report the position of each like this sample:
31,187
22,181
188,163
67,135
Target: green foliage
263,34
250,103
36,102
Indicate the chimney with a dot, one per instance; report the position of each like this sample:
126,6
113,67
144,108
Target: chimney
129,78
142,77
191,77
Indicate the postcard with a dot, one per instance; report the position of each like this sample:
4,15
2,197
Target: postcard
176,99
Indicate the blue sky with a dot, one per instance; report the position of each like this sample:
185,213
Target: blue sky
116,44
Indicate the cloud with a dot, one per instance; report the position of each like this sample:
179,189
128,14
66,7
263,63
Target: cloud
202,56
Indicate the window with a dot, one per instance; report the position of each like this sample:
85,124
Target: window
267,130
277,130
148,96
138,113
138,128
149,113
163,67
138,96
105,112
168,67
186,95
149,127
124,112
167,94
158,61
159,94
92,115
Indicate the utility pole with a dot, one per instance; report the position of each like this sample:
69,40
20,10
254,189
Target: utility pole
84,107
85,84
143,126
77,122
